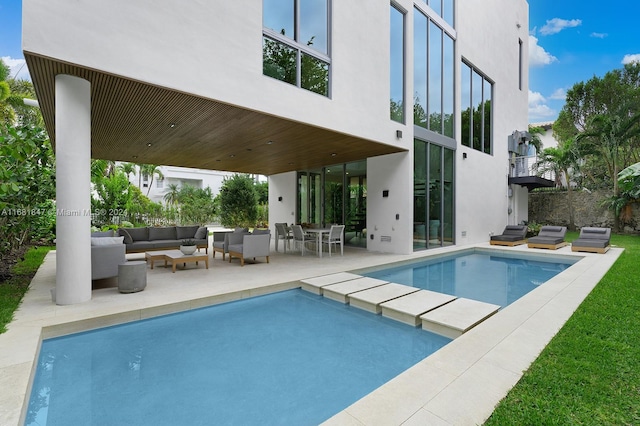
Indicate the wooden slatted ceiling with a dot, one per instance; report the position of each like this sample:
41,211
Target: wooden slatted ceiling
127,115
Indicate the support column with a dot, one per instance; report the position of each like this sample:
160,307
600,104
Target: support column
73,190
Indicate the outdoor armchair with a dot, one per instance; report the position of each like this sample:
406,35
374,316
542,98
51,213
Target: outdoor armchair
512,235
594,240
300,238
549,237
249,246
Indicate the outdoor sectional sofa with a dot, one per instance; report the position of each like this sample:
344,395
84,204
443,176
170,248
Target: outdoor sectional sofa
152,238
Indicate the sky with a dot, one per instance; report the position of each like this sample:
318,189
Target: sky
570,41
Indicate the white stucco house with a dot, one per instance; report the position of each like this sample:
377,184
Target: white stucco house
156,187
393,118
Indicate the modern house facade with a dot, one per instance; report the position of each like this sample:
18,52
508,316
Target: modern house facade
393,118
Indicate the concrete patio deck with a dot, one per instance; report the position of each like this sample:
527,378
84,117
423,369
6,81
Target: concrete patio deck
466,378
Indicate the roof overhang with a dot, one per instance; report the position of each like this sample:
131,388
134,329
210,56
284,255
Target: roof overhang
141,123
531,182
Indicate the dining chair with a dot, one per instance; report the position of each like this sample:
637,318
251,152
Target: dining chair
283,234
300,238
335,237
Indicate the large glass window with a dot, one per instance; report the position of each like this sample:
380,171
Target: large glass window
335,194
295,44
433,196
444,9
476,109
433,64
396,62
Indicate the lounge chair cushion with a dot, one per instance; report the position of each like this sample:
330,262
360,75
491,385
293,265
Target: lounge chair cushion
511,233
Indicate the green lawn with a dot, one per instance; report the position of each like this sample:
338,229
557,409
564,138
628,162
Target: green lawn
12,290
589,374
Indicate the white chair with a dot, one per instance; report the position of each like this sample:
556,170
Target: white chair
283,234
300,238
335,237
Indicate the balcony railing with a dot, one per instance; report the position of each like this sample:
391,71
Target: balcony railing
524,170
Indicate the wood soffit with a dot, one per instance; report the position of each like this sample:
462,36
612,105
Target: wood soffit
132,121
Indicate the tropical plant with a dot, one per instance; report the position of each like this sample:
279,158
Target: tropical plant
150,170
563,161
27,186
238,201
172,194
128,169
196,205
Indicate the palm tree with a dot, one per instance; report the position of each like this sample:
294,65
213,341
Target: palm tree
127,169
610,135
172,194
101,169
563,160
151,170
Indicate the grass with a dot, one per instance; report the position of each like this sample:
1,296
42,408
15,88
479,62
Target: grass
12,290
589,374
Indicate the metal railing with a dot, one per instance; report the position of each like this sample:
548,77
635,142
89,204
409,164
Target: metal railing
524,166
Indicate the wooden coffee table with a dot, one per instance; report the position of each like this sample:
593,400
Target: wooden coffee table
175,257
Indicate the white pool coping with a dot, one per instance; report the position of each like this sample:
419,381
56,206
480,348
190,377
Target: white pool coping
479,367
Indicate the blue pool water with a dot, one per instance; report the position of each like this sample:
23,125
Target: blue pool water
290,358
498,279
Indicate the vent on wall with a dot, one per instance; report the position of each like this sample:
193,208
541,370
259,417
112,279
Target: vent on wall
385,238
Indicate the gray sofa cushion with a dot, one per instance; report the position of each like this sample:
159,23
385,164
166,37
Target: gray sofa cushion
162,233
165,244
140,246
136,234
260,231
184,232
97,234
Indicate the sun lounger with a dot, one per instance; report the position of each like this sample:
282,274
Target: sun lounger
594,240
550,237
512,235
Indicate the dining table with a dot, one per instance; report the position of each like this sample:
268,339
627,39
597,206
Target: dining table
319,232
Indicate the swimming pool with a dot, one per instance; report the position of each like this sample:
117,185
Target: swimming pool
484,275
285,358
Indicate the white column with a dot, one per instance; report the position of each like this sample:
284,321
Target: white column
73,190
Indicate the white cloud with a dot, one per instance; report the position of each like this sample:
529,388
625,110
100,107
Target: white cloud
559,95
599,35
18,67
555,25
538,108
631,58
537,55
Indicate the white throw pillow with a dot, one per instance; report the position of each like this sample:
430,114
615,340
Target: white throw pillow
106,241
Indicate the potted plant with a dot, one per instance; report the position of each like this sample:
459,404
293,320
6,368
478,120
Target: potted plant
188,246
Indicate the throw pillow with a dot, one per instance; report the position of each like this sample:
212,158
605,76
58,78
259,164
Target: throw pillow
106,241
126,235
201,233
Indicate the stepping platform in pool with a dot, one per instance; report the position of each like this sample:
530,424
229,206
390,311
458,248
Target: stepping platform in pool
407,309
370,299
341,291
455,318
314,285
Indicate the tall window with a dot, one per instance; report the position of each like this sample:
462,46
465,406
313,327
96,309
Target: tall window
476,109
433,192
433,64
444,9
295,43
396,61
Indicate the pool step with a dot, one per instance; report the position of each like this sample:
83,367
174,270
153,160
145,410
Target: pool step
341,291
455,318
372,299
408,309
439,313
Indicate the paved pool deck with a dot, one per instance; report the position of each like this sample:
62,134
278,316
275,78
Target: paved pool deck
458,385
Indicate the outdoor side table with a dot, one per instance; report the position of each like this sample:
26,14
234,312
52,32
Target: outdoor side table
132,276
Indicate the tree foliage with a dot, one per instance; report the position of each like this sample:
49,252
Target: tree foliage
27,186
602,115
238,201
